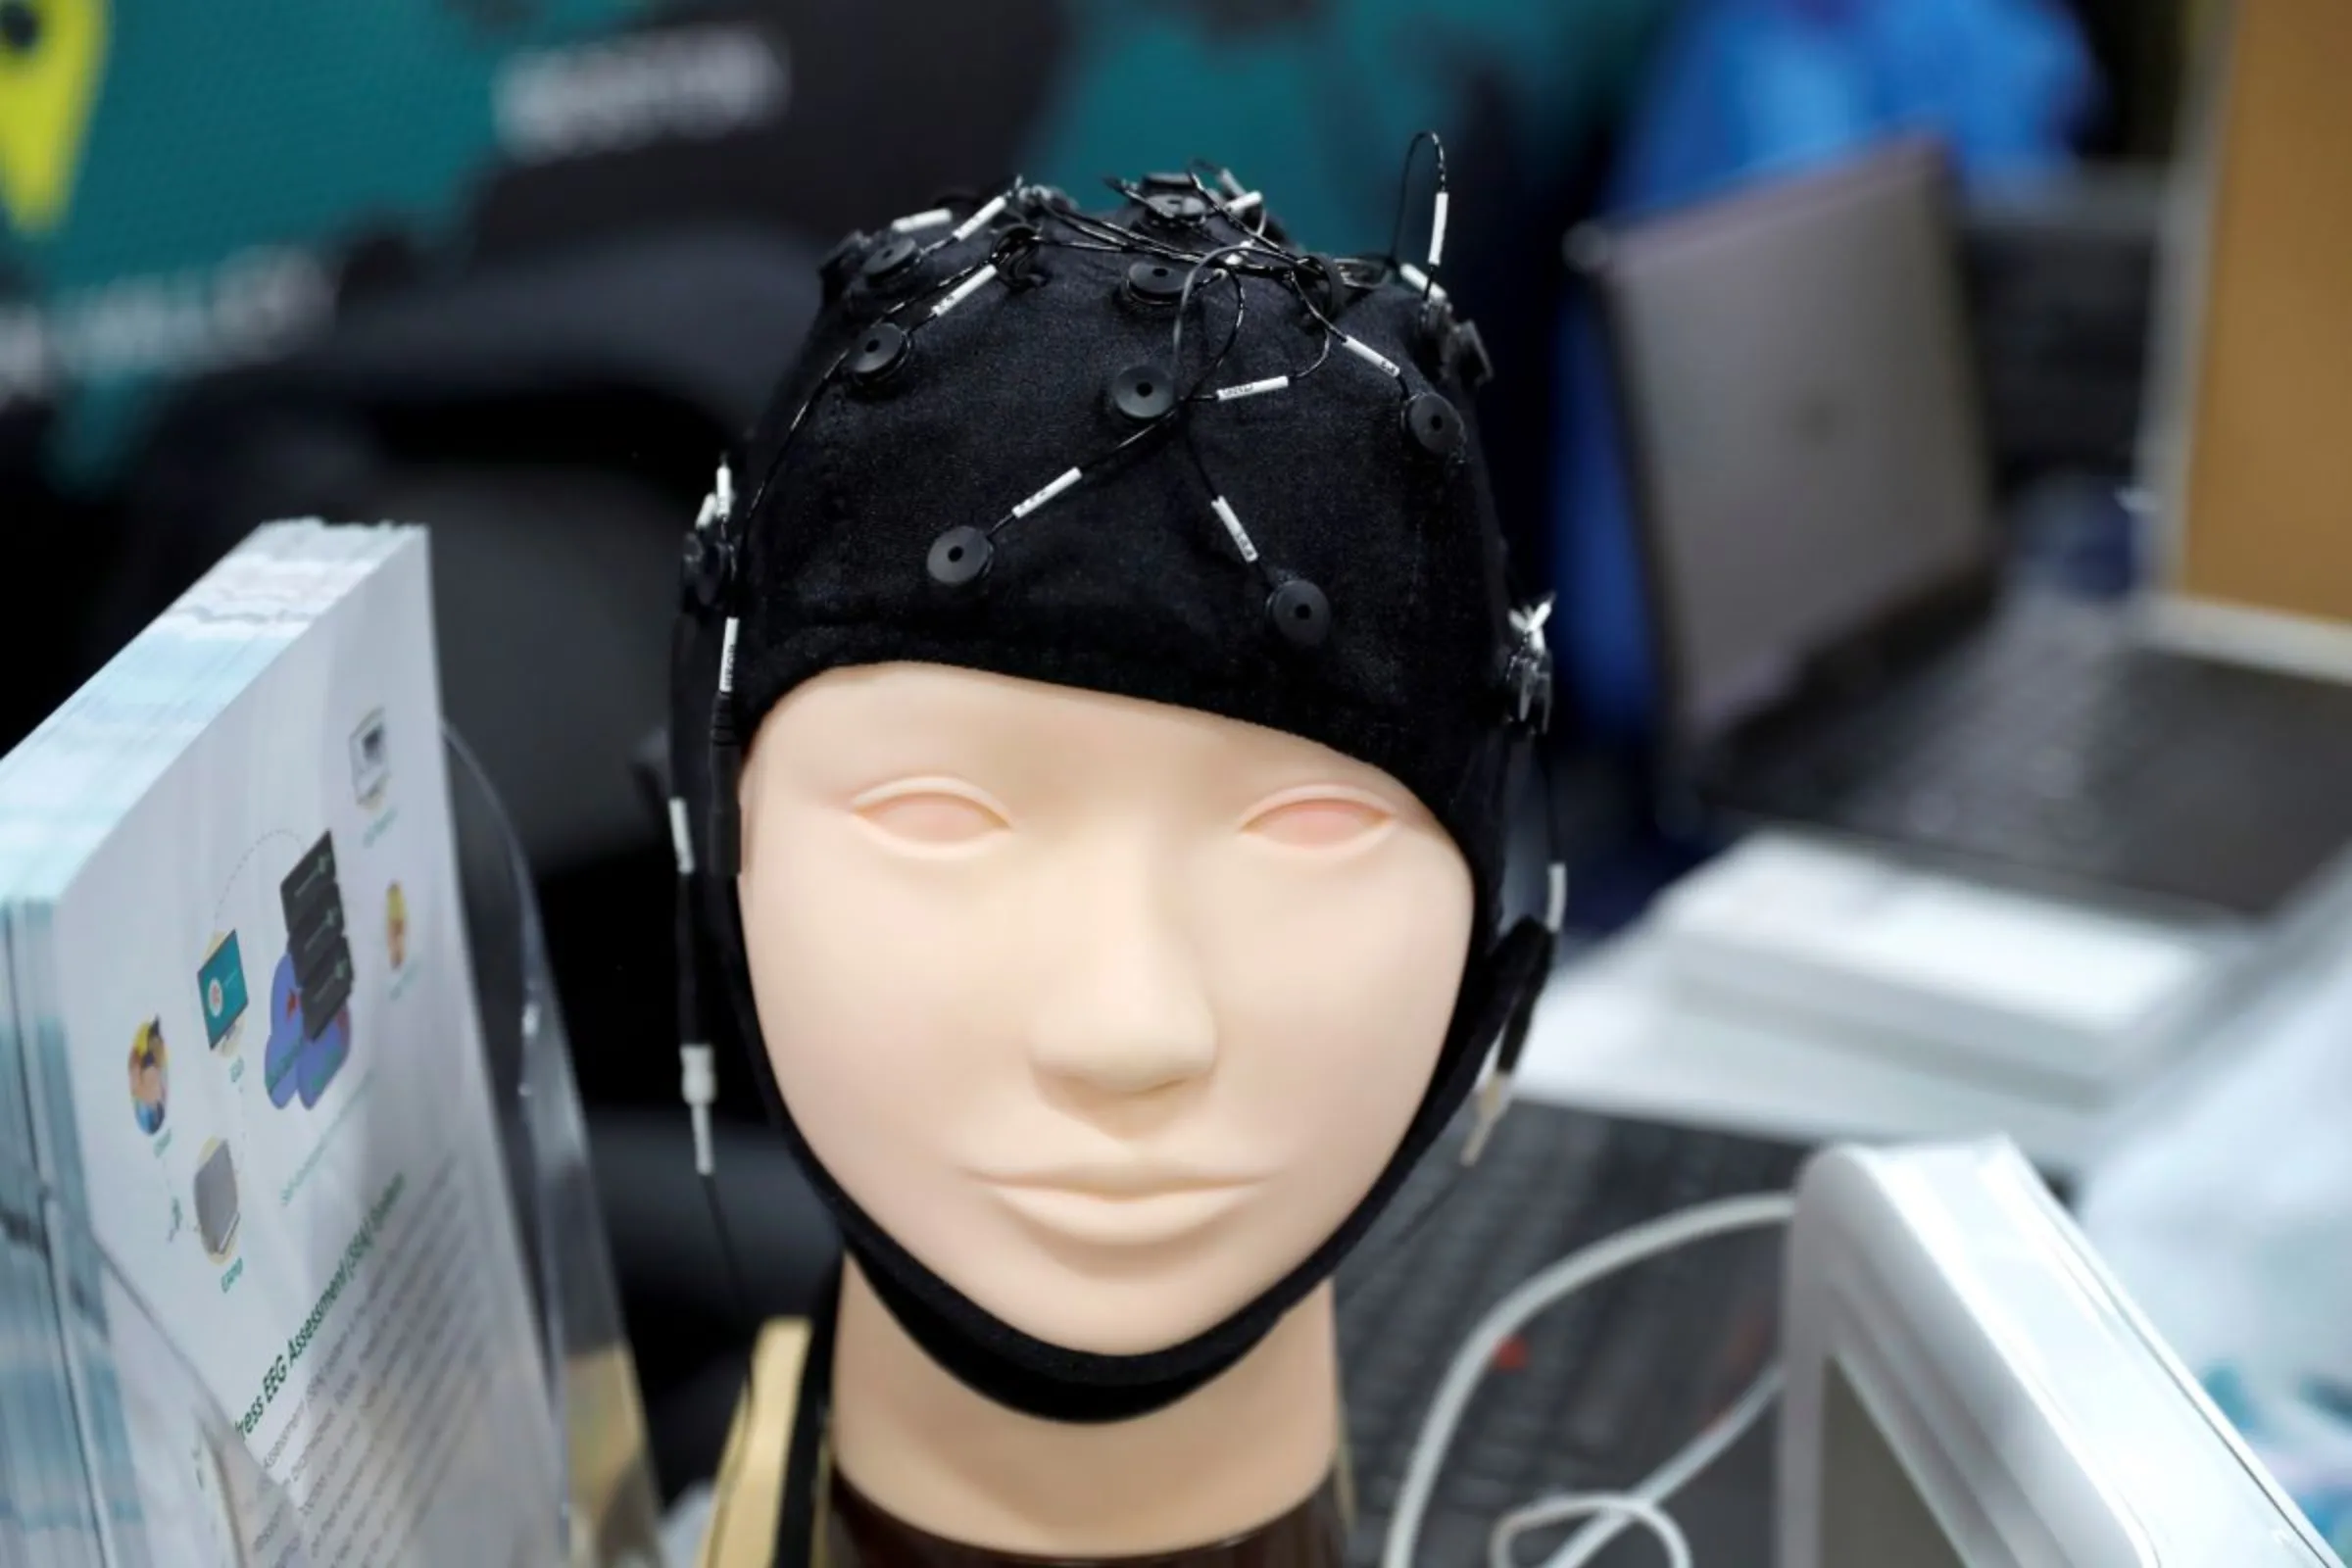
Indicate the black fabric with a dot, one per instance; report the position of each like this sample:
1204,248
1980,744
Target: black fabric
1130,584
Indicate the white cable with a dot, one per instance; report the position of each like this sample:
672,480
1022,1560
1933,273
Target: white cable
1553,1285
1680,1471
1617,1512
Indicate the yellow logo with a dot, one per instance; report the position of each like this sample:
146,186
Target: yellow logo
52,54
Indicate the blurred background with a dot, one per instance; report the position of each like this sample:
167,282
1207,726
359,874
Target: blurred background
517,268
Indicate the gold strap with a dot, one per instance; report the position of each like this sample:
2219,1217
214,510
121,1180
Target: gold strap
749,1490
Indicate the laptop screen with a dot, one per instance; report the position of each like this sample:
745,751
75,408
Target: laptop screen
1794,369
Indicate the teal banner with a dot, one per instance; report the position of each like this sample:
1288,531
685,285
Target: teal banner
188,187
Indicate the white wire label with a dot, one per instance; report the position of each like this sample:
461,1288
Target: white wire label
726,661
915,221
1048,493
680,840
1373,357
979,219
1436,233
966,290
1233,526
1253,389
719,505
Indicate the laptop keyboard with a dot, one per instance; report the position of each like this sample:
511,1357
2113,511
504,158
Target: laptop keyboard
2056,744
1597,1391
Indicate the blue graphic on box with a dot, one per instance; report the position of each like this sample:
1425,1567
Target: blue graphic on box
295,1062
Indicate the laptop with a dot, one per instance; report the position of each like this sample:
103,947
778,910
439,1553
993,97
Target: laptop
1966,1384
1825,566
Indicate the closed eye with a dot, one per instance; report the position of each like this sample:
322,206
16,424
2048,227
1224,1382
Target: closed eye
932,811
1319,819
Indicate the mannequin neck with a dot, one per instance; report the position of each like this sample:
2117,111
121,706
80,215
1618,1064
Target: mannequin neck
1249,1448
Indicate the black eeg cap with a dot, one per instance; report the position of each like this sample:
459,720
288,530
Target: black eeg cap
1156,453
1365,486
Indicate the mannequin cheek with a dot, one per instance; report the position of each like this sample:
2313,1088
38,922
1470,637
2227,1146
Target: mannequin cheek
1344,1005
873,995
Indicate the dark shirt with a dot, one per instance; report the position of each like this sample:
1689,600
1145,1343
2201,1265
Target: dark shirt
857,1534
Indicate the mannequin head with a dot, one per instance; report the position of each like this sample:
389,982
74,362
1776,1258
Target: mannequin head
1105,696
1108,1012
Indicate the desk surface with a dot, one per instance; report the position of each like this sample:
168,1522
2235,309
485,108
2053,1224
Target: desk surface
1611,1036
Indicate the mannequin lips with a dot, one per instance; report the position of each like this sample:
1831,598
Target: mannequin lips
1122,1206
1143,1220
1120,1181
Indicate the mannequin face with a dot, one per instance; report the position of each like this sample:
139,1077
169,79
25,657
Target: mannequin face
1109,1012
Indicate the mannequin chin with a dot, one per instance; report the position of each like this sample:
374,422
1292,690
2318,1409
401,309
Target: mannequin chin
1109,1012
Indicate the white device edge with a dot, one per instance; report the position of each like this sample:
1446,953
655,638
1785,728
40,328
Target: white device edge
2039,1414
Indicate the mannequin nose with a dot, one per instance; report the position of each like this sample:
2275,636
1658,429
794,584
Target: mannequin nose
1127,1014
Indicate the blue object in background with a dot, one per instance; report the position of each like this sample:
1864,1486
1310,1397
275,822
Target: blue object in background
2302,1437
1742,91
2077,535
